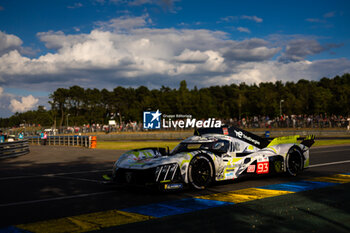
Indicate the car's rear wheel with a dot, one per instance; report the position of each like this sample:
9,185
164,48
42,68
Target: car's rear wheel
294,161
200,172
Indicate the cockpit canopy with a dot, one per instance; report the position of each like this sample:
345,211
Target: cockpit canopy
202,143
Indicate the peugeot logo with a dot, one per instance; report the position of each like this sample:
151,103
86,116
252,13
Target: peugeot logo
128,177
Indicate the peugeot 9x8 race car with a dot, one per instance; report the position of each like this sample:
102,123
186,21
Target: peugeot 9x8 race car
212,154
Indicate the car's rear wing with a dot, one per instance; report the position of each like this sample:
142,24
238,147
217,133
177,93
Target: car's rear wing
254,139
235,132
307,141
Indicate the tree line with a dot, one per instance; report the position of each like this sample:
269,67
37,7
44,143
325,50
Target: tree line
88,106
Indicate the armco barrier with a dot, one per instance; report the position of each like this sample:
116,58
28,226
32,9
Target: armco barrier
76,140
13,149
179,135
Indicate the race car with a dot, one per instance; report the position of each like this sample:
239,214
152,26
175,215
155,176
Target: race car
212,155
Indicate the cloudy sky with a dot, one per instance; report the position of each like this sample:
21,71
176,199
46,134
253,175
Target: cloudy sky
45,45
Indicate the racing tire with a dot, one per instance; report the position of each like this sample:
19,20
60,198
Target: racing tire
200,172
294,161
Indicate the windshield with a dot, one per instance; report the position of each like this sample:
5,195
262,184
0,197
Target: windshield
220,146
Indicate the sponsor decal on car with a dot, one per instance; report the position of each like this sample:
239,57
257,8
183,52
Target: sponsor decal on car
229,175
128,177
240,134
173,186
251,168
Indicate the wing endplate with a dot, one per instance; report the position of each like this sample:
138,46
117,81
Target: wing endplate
284,140
309,140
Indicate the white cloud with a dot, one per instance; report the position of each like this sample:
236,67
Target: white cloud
75,5
243,29
271,71
188,56
315,20
329,14
26,103
137,55
4,103
253,18
299,49
228,18
9,42
125,23
167,5
139,2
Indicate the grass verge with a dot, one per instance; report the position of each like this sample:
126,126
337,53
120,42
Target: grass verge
331,142
129,145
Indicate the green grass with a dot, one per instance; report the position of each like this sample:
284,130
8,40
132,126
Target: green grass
129,145
331,142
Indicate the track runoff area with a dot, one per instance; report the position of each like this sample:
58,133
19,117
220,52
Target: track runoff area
60,189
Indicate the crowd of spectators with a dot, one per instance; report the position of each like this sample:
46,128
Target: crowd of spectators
285,121
292,121
263,122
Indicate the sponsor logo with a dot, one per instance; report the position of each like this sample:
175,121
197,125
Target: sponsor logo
251,168
173,186
240,134
128,177
151,120
229,175
263,159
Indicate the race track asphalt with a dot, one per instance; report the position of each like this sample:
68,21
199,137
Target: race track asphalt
55,182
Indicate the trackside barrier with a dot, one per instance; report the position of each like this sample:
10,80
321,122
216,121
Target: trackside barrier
93,142
13,149
76,140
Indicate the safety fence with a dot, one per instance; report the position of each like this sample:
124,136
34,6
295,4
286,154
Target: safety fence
75,140
13,149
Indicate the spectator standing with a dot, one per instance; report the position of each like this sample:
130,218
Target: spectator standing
2,137
20,136
43,137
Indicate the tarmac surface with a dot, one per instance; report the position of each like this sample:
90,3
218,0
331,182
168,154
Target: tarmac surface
53,183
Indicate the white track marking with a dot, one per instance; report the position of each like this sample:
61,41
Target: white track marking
54,199
331,163
52,174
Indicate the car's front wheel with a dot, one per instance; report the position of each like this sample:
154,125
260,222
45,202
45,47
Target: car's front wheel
294,161
200,172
